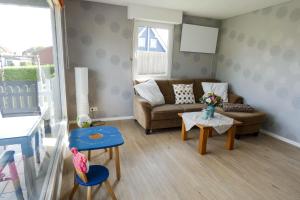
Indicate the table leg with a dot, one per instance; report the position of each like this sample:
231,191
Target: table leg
37,147
183,131
230,138
110,190
74,181
75,187
110,153
117,163
210,133
29,168
89,155
202,140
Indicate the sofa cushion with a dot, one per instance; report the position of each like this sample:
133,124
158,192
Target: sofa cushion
150,91
192,107
167,111
247,118
198,90
237,107
172,82
167,90
220,89
233,98
184,93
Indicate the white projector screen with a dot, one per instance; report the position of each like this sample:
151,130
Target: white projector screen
196,38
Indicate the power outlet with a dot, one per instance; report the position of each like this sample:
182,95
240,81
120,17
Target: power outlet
93,109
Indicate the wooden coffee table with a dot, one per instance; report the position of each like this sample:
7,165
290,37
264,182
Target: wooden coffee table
206,131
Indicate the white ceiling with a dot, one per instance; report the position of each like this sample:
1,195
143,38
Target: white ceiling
218,9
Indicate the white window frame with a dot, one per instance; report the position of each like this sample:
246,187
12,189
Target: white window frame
170,27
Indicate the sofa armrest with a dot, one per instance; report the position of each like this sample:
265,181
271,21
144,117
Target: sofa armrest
142,111
233,98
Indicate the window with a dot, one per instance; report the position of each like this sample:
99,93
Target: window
30,100
153,43
152,50
142,42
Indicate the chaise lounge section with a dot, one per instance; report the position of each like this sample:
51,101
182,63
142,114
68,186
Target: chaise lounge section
166,116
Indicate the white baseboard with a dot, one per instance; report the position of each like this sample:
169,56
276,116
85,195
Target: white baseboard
105,119
113,118
280,138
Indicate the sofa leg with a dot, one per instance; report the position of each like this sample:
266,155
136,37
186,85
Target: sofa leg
147,131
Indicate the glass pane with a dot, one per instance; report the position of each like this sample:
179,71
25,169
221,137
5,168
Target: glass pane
153,43
29,100
142,42
153,39
152,51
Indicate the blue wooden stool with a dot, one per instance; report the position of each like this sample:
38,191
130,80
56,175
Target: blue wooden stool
96,175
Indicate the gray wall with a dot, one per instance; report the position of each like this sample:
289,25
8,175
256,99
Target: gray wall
259,55
192,65
100,37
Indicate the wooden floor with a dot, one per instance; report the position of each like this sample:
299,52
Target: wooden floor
161,166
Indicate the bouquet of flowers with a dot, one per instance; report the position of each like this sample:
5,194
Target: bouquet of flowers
211,99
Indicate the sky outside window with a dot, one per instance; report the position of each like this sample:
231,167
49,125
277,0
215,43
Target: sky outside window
24,27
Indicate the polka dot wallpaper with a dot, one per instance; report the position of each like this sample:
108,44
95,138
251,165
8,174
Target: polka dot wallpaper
192,65
259,55
100,38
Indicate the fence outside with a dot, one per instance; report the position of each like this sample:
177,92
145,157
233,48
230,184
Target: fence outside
19,98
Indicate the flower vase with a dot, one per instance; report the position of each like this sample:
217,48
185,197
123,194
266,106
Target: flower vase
211,111
205,114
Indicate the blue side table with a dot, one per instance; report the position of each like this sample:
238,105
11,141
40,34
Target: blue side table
98,137
26,131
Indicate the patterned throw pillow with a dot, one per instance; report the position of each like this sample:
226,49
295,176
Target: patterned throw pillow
236,107
184,93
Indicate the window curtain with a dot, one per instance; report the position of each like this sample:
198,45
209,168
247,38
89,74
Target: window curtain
155,63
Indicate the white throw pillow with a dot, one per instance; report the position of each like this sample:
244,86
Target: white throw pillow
184,93
150,91
220,89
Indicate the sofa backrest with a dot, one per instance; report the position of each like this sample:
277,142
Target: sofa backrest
166,88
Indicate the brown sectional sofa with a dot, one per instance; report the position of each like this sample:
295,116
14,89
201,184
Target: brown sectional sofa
166,116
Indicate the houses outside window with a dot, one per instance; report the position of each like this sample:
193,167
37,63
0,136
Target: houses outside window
153,44
31,116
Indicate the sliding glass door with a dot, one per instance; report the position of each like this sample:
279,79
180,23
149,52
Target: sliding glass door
31,119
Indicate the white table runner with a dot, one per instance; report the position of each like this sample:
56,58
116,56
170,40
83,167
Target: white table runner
220,122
